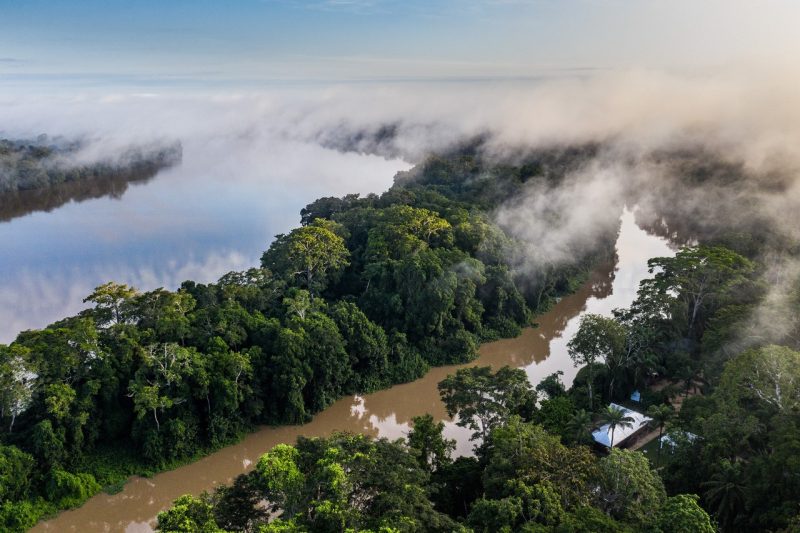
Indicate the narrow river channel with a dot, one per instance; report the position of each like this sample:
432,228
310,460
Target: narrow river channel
540,350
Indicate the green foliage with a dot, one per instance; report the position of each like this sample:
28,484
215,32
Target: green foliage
426,441
526,452
43,163
188,514
483,400
598,339
368,292
311,253
16,468
69,490
629,489
682,514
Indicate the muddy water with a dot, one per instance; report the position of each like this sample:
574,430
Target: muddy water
540,350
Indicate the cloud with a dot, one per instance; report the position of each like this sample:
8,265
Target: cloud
740,121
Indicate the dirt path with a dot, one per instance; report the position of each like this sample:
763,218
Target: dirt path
676,402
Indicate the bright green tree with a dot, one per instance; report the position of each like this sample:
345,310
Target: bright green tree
682,514
312,253
483,400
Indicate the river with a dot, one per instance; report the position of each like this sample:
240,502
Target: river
540,350
215,212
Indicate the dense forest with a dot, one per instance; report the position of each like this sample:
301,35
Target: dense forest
366,293
732,464
714,330
371,291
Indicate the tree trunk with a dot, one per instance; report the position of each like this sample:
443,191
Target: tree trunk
155,416
591,379
612,436
13,418
611,389
660,444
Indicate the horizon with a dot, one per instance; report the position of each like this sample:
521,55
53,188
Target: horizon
92,45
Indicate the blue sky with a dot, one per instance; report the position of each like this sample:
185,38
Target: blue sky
150,41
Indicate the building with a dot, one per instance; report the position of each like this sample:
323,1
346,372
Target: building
602,435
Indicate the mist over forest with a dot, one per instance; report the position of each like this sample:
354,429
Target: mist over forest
441,216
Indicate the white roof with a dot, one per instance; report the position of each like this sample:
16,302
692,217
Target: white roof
603,434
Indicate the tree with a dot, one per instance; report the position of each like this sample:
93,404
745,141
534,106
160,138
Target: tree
615,417
598,338
312,253
164,367
629,490
237,507
725,493
661,415
112,303
682,514
17,379
165,313
367,345
552,385
579,427
698,277
526,452
403,230
427,442
188,514
769,375
483,400
16,468
282,479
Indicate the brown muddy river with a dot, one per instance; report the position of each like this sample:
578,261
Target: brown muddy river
540,350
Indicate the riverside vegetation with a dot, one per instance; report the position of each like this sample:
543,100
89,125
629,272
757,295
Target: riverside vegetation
371,291
366,293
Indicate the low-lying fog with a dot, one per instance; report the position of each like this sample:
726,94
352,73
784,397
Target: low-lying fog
252,160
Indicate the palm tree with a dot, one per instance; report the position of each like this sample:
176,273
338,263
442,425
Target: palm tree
725,493
579,426
615,417
661,414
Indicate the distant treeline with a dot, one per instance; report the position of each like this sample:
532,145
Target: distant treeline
36,165
366,293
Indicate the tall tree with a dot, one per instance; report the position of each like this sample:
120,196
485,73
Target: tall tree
426,440
579,426
112,303
629,489
598,339
661,415
698,277
17,379
725,494
311,253
483,400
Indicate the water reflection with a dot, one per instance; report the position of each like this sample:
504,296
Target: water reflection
20,203
214,213
540,350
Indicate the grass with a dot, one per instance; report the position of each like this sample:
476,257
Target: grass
650,450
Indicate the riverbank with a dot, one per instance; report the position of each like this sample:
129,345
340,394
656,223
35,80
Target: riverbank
540,351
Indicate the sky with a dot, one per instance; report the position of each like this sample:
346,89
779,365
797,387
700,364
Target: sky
248,42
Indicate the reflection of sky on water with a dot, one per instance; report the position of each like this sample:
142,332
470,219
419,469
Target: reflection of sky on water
214,213
634,247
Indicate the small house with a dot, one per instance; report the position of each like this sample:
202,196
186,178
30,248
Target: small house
602,435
